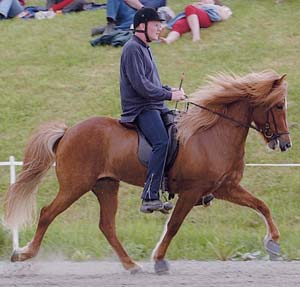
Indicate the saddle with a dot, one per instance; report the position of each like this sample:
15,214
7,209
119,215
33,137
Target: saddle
144,147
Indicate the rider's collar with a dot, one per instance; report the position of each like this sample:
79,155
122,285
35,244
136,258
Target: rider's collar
137,39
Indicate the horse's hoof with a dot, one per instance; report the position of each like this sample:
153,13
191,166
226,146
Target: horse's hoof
136,269
161,267
20,254
15,256
273,248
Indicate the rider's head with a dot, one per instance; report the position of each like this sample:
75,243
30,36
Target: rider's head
148,22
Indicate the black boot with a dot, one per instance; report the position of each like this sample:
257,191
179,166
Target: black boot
110,27
205,200
97,30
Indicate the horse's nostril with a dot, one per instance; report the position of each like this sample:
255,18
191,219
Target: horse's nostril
283,148
288,145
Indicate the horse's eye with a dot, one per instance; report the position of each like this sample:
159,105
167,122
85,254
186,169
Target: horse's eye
279,107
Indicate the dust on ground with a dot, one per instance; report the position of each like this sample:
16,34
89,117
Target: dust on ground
182,273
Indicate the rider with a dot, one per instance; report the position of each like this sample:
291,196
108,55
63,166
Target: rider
142,99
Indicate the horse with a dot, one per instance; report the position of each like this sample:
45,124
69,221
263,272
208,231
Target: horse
97,153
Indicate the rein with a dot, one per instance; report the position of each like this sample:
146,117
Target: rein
226,117
266,131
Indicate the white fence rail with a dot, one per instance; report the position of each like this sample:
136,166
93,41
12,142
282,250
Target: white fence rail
12,165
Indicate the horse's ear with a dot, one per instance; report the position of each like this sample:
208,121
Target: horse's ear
278,82
282,77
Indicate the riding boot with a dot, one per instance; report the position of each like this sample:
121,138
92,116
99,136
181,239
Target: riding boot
151,205
205,200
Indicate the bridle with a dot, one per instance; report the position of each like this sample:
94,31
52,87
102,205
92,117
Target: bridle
266,131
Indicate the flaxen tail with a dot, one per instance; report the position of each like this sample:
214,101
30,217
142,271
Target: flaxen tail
20,202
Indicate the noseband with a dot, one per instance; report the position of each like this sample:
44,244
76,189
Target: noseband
266,131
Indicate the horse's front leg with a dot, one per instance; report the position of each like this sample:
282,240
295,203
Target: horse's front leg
184,204
242,197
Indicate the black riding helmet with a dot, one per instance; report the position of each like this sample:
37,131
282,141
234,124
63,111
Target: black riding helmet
144,15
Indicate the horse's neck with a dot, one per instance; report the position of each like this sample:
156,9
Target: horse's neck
231,134
239,112
220,148
242,113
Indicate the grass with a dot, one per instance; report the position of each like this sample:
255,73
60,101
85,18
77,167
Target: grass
50,72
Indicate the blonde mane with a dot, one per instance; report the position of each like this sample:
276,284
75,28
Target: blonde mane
257,88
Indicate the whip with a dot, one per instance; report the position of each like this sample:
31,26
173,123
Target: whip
180,86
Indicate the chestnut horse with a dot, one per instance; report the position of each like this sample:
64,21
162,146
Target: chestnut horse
98,153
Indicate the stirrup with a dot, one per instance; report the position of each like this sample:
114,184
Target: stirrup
167,207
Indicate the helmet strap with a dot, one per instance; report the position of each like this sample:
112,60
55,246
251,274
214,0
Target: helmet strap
145,32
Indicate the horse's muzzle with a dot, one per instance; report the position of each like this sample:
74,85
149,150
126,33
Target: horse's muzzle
283,142
284,145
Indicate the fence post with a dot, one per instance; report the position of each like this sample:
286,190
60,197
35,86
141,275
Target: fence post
15,232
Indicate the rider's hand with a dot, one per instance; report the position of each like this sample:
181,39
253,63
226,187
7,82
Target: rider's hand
178,95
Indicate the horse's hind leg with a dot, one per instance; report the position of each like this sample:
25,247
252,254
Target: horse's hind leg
106,191
48,213
242,197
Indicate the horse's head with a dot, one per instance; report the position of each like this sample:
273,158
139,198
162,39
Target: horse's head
271,117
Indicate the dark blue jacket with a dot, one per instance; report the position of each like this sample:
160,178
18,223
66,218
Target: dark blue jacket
140,85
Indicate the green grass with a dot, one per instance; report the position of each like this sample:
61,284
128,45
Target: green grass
49,71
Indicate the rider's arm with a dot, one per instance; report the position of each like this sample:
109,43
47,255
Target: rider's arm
136,4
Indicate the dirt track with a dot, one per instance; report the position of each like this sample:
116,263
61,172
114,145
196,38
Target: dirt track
183,273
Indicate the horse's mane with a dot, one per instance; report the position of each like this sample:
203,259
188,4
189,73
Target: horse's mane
257,88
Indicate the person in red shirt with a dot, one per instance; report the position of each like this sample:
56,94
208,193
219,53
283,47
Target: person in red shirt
65,5
195,17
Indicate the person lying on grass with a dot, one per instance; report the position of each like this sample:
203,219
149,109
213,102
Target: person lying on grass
195,16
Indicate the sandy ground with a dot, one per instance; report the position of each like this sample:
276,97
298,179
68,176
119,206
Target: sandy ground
182,273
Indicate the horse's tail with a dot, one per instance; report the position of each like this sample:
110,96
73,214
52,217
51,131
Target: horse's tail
39,156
